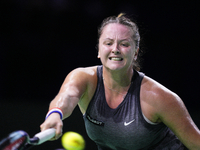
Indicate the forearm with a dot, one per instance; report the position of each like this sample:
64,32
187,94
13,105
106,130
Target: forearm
66,103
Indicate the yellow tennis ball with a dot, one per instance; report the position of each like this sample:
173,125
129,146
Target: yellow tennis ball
73,141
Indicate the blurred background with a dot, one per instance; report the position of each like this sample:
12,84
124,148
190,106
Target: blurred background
41,41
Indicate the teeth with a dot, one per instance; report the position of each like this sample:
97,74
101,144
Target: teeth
116,59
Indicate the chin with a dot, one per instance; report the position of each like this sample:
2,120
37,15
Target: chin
115,67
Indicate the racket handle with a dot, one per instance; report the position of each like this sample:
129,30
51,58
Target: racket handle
45,135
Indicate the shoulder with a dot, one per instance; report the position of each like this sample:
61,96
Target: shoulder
155,89
82,74
81,79
159,104
88,71
86,81
156,99
85,78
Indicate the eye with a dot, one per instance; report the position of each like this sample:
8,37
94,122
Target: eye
107,43
125,44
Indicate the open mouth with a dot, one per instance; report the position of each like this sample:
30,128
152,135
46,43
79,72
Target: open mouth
116,58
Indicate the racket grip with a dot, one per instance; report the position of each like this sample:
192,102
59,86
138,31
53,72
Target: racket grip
45,135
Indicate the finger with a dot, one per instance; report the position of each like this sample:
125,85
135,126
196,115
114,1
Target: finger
59,130
42,127
45,126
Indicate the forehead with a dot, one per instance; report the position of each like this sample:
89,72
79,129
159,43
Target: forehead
115,29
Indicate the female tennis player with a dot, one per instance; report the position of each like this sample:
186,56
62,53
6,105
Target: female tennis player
122,107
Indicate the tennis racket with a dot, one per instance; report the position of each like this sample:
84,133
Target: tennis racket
20,140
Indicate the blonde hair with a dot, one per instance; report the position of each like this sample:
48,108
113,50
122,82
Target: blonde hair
121,14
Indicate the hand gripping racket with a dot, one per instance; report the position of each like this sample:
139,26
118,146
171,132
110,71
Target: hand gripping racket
20,140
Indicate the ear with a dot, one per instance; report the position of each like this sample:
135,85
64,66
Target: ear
98,56
136,54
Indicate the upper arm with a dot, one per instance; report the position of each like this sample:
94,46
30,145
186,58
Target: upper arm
75,83
174,114
73,88
170,110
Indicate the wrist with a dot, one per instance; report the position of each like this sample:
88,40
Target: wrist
55,110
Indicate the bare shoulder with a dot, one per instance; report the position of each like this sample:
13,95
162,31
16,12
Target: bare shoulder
88,70
85,79
156,99
89,74
84,71
156,90
79,79
159,104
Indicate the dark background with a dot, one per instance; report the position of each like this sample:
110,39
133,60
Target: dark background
41,41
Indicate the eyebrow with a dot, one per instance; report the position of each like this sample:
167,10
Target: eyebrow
120,40
107,39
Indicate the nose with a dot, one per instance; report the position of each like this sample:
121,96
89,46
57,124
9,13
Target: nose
115,50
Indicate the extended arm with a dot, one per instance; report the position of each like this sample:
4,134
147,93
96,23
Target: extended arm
73,88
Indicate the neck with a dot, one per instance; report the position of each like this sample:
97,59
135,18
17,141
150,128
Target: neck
117,84
115,79
116,91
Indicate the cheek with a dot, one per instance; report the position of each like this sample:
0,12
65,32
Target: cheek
103,49
129,51
131,55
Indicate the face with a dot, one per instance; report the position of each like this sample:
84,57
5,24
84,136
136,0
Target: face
116,47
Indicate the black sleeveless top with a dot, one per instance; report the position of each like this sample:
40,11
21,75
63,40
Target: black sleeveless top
125,128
